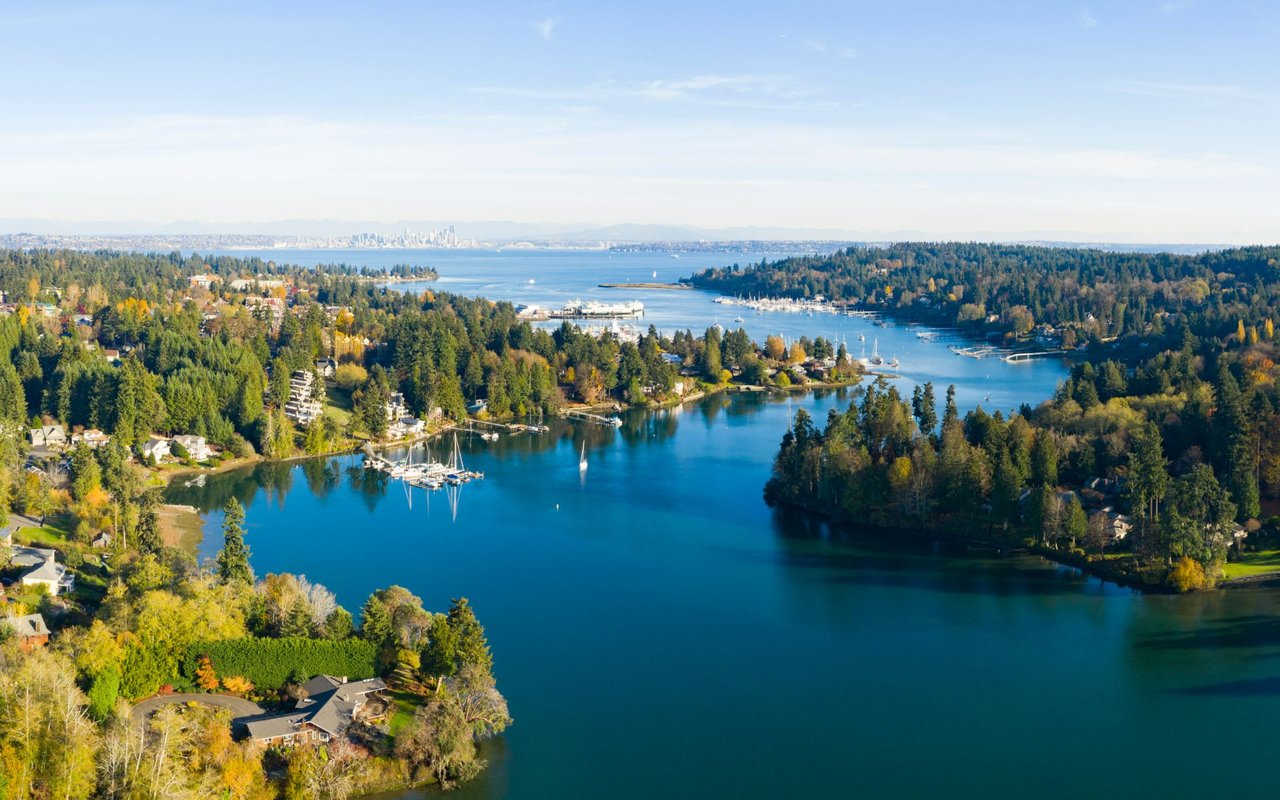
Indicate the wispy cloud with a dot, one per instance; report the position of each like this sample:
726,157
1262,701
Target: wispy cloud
710,89
1197,91
1087,19
545,27
815,46
1174,6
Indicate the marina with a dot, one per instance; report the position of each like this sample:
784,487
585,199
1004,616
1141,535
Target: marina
428,474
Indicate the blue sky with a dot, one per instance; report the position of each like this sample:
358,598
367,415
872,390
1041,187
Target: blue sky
1135,121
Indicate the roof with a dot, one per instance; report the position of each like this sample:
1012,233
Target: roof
47,571
271,726
30,625
30,556
330,705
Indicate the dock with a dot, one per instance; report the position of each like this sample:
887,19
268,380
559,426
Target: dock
613,422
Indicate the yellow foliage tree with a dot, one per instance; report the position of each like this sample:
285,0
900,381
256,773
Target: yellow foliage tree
1187,575
1240,331
237,684
774,347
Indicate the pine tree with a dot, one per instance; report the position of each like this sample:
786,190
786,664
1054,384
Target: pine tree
233,559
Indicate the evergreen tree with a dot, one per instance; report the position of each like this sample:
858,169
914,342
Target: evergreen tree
233,558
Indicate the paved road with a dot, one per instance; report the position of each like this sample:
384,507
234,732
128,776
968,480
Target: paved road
238,705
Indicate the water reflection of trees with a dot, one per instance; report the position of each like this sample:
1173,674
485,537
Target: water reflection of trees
325,475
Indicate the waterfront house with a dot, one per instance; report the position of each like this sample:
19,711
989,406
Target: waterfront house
303,406
49,437
197,448
156,448
328,707
30,630
1115,525
42,569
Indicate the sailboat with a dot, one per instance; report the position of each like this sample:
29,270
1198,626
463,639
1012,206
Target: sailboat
582,459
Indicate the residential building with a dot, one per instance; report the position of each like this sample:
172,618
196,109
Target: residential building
30,630
303,406
101,541
42,569
329,706
205,281
50,437
92,438
197,448
327,367
156,448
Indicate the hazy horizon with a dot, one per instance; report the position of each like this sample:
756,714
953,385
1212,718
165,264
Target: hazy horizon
1102,121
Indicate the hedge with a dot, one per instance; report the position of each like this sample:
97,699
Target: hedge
270,662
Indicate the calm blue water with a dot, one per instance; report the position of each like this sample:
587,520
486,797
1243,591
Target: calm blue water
659,632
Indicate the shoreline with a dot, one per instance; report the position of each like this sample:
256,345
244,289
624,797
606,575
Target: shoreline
1095,569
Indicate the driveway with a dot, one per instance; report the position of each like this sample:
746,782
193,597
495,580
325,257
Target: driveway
238,706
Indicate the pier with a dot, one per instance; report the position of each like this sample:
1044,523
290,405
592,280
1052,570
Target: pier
599,419
1017,358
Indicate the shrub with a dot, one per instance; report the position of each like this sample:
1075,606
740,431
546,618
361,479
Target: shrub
1187,575
103,693
350,376
269,663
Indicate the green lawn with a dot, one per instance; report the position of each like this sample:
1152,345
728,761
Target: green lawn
1252,564
405,703
41,537
338,404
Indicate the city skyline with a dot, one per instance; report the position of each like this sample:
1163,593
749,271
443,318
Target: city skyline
1134,122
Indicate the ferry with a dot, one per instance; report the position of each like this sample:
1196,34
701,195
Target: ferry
576,309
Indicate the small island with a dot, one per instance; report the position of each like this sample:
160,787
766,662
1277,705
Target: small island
648,285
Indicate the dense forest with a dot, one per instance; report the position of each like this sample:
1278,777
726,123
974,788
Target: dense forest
1155,459
1008,289
187,357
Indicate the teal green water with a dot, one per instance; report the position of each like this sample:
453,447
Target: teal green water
659,632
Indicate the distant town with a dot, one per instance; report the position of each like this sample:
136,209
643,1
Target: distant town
445,238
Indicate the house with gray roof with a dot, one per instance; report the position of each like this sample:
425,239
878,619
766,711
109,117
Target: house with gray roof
30,630
326,710
42,569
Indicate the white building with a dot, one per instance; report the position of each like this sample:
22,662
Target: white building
92,438
156,448
196,447
302,406
44,569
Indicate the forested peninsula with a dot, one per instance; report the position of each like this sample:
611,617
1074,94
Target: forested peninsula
1157,462
127,669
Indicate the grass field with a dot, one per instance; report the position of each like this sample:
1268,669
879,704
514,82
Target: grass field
1253,564
338,405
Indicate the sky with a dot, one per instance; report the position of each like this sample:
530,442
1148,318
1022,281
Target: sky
1104,121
